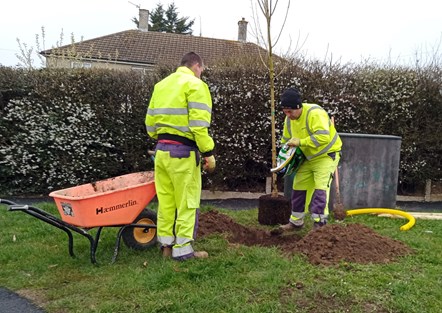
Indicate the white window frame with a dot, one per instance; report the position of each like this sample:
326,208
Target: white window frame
78,64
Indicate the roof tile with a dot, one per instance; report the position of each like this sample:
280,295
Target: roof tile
154,47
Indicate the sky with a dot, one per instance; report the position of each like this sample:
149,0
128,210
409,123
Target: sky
393,31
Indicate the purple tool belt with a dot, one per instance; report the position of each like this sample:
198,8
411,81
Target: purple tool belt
178,150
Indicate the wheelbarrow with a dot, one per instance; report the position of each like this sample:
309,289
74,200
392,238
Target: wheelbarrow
115,202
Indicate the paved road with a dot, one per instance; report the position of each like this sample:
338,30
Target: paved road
10,302
415,206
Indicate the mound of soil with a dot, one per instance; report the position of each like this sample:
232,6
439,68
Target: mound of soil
329,245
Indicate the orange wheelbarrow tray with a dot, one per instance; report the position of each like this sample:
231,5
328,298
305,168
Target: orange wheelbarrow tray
115,202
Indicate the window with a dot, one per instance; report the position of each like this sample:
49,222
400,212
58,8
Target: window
141,70
76,64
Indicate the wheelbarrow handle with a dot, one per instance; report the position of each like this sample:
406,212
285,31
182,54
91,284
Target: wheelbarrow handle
4,201
18,207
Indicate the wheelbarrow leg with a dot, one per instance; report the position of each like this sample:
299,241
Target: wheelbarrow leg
71,242
117,243
94,245
45,217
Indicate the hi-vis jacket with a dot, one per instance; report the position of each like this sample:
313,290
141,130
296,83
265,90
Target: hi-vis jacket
315,130
181,105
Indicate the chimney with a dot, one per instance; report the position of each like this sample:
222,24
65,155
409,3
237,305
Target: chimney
143,22
242,30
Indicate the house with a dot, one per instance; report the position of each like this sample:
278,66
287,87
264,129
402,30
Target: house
140,49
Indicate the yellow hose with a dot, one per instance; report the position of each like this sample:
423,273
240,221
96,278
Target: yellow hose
411,219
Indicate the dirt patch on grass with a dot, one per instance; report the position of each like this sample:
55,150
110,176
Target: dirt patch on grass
34,296
329,245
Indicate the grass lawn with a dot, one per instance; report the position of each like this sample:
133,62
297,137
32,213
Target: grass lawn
34,261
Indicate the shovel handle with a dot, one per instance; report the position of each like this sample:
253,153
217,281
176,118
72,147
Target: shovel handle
338,191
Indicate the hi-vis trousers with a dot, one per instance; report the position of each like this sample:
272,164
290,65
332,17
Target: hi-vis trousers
178,187
311,188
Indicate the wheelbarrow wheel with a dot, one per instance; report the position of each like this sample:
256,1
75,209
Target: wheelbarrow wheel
140,238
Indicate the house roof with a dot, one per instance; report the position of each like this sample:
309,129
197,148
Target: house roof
136,46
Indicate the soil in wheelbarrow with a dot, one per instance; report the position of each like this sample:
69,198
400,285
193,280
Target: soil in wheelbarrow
329,245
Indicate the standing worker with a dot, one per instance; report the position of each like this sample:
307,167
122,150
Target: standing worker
179,116
309,127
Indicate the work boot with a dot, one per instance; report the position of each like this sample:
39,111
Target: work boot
317,225
200,255
166,251
292,226
195,254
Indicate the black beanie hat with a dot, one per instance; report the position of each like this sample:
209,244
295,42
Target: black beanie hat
291,99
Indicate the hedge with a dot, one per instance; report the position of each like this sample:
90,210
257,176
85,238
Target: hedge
61,128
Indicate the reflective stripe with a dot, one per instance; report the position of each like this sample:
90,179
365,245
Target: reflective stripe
168,111
298,222
313,138
151,129
183,241
166,240
181,251
200,106
289,127
319,132
285,139
319,217
296,218
322,132
195,123
325,149
306,118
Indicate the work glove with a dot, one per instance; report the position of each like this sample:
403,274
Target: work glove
209,164
294,142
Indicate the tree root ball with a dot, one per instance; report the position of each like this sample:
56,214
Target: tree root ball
273,210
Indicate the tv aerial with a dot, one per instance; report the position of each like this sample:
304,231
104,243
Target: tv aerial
138,6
